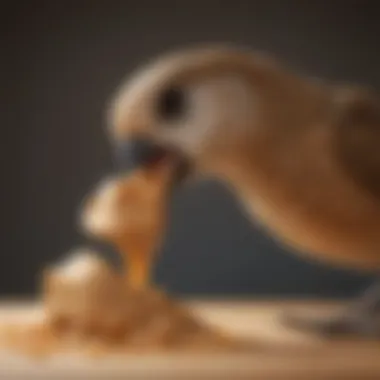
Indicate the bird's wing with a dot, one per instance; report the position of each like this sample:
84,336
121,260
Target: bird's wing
357,119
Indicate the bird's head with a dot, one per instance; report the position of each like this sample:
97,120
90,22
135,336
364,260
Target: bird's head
203,106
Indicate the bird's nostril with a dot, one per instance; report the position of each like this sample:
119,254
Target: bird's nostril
133,153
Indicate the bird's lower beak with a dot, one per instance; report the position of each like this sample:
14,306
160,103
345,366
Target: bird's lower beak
140,152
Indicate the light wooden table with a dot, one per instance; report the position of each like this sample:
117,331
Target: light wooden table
280,354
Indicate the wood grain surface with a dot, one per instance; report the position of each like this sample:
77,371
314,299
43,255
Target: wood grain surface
277,353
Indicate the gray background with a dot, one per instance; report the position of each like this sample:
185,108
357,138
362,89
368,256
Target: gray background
63,59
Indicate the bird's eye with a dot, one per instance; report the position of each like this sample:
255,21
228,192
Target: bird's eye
172,104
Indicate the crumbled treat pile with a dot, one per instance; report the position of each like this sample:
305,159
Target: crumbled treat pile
88,307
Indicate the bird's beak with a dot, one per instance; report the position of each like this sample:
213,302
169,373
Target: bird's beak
137,152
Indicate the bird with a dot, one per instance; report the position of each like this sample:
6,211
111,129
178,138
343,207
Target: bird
300,153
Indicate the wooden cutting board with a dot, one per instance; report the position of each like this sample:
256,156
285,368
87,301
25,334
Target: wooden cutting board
278,353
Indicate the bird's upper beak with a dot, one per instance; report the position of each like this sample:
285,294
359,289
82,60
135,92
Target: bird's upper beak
137,152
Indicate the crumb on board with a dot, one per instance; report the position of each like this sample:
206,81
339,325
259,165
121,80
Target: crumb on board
97,314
